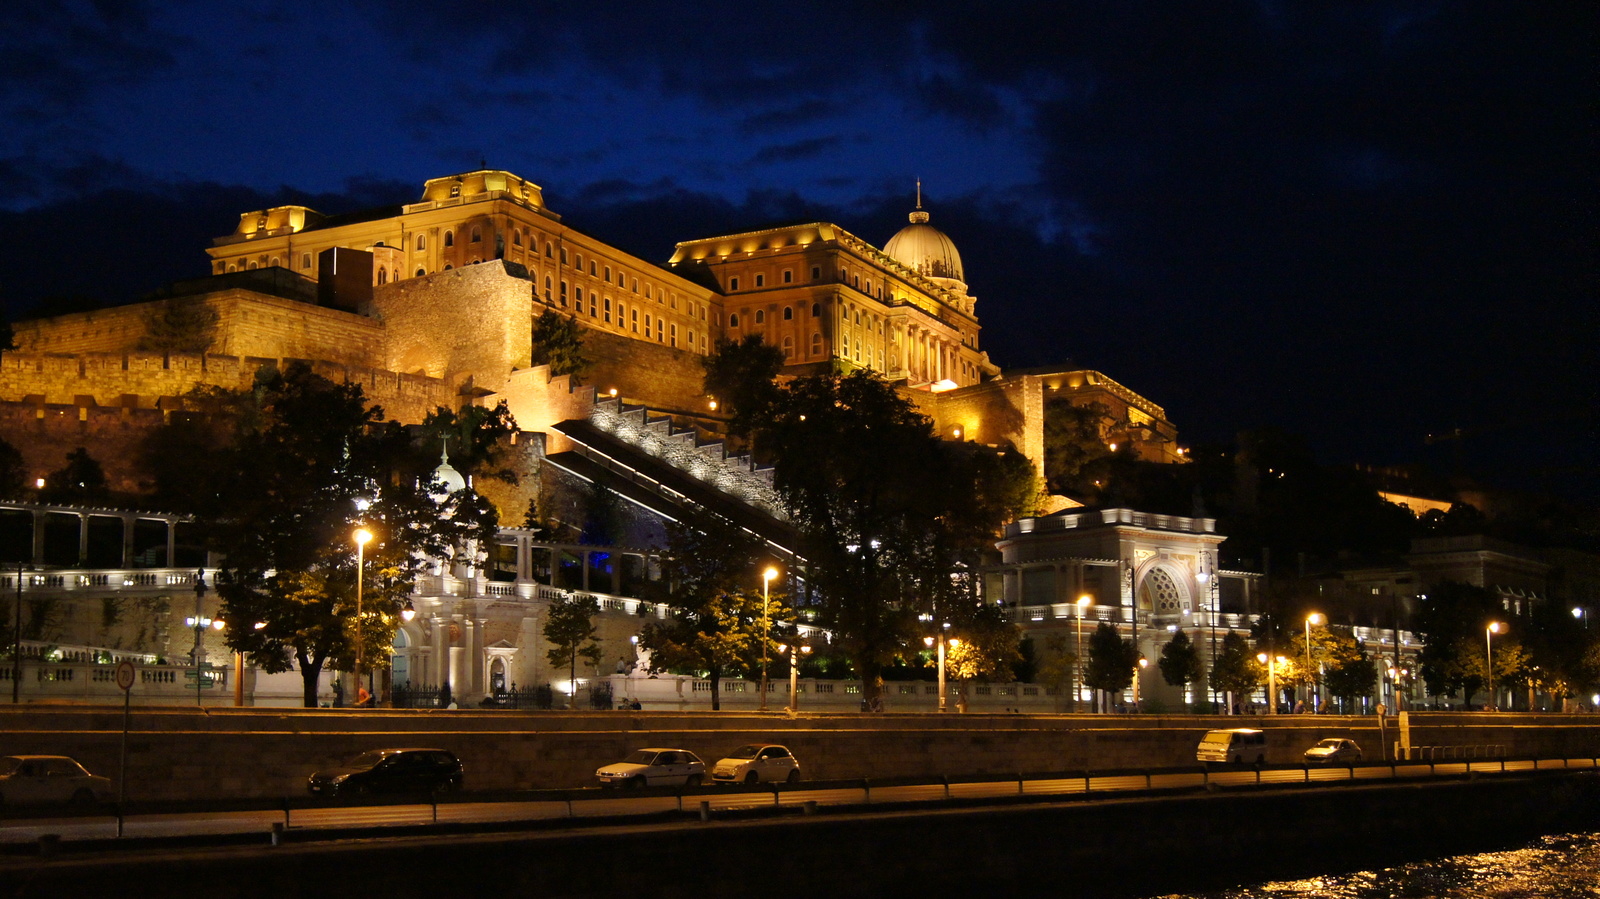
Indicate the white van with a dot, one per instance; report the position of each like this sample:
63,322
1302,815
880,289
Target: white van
1239,746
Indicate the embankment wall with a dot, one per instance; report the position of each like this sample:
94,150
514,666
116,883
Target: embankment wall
180,753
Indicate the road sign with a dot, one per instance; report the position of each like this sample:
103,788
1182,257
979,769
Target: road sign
125,675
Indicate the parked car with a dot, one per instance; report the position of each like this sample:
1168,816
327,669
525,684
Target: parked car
755,763
1238,745
654,768
40,779
1334,750
390,771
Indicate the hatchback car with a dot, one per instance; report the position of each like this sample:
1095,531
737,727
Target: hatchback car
654,768
756,763
39,779
390,771
1333,750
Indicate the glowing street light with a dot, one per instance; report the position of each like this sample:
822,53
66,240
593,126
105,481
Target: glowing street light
794,674
362,537
1084,602
1143,663
766,588
1272,680
1488,656
940,640
1311,681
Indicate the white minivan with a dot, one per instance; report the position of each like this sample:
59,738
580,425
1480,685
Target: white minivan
1238,746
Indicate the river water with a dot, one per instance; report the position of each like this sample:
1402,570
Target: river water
1566,866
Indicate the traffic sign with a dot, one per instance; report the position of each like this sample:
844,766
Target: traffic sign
125,675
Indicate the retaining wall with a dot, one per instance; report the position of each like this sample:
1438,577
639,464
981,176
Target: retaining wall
179,753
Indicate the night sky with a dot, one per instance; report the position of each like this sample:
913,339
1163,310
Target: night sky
1360,222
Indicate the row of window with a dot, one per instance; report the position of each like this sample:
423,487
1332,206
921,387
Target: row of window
761,315
787,276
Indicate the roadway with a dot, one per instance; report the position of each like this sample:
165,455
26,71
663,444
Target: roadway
307,819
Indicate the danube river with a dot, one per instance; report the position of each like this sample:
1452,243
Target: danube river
1554,867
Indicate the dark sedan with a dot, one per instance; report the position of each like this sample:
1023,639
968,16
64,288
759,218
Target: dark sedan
390,771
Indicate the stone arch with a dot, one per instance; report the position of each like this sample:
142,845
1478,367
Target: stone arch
1163,589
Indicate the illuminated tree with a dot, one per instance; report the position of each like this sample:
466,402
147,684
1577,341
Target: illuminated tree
984,647
887,512
569,628
1111,660
1236,669
557,341
711,575
300,463
1180,662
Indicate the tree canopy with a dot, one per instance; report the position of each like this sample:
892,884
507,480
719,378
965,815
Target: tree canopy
291,469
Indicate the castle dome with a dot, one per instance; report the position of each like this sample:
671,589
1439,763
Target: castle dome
925,249
450,479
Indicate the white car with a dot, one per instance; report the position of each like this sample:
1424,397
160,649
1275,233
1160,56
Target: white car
654,768
1334,751
756,763
39,779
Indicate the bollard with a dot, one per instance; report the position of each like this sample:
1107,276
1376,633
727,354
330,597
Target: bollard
277,833
705,810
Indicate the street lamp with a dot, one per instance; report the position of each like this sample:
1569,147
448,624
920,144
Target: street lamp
766,588
362,536
1143,663
794,675
1084,602
1579,613
1311,681
1488,656
930,641
1272,680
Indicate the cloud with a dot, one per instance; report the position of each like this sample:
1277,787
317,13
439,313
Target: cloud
810,148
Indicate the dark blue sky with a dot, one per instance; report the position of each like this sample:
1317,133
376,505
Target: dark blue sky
1363,222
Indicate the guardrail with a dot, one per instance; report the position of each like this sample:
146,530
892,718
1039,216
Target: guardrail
806,796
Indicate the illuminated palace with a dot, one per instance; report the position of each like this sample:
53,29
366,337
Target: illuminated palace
432,304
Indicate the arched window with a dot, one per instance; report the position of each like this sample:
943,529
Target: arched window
788,348
592,272
252,265
547,288
816,310
449,238
733,320
421,272
275,263
516,237
383,276
477,234
448,267
816,343
422,241
761,316
788,313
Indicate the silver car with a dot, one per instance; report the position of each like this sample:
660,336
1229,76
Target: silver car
44,779
756,763
654,768
1333,751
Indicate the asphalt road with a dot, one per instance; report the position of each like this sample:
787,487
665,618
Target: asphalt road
611,804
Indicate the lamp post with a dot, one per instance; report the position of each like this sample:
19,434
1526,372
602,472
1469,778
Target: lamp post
1272,680
16,643
198,622
794,675
1579,613
1311,681
361,536
1137,670
1084,602
766,588
939,641
1488,657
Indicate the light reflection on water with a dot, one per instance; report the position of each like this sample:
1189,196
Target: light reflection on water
1555,867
